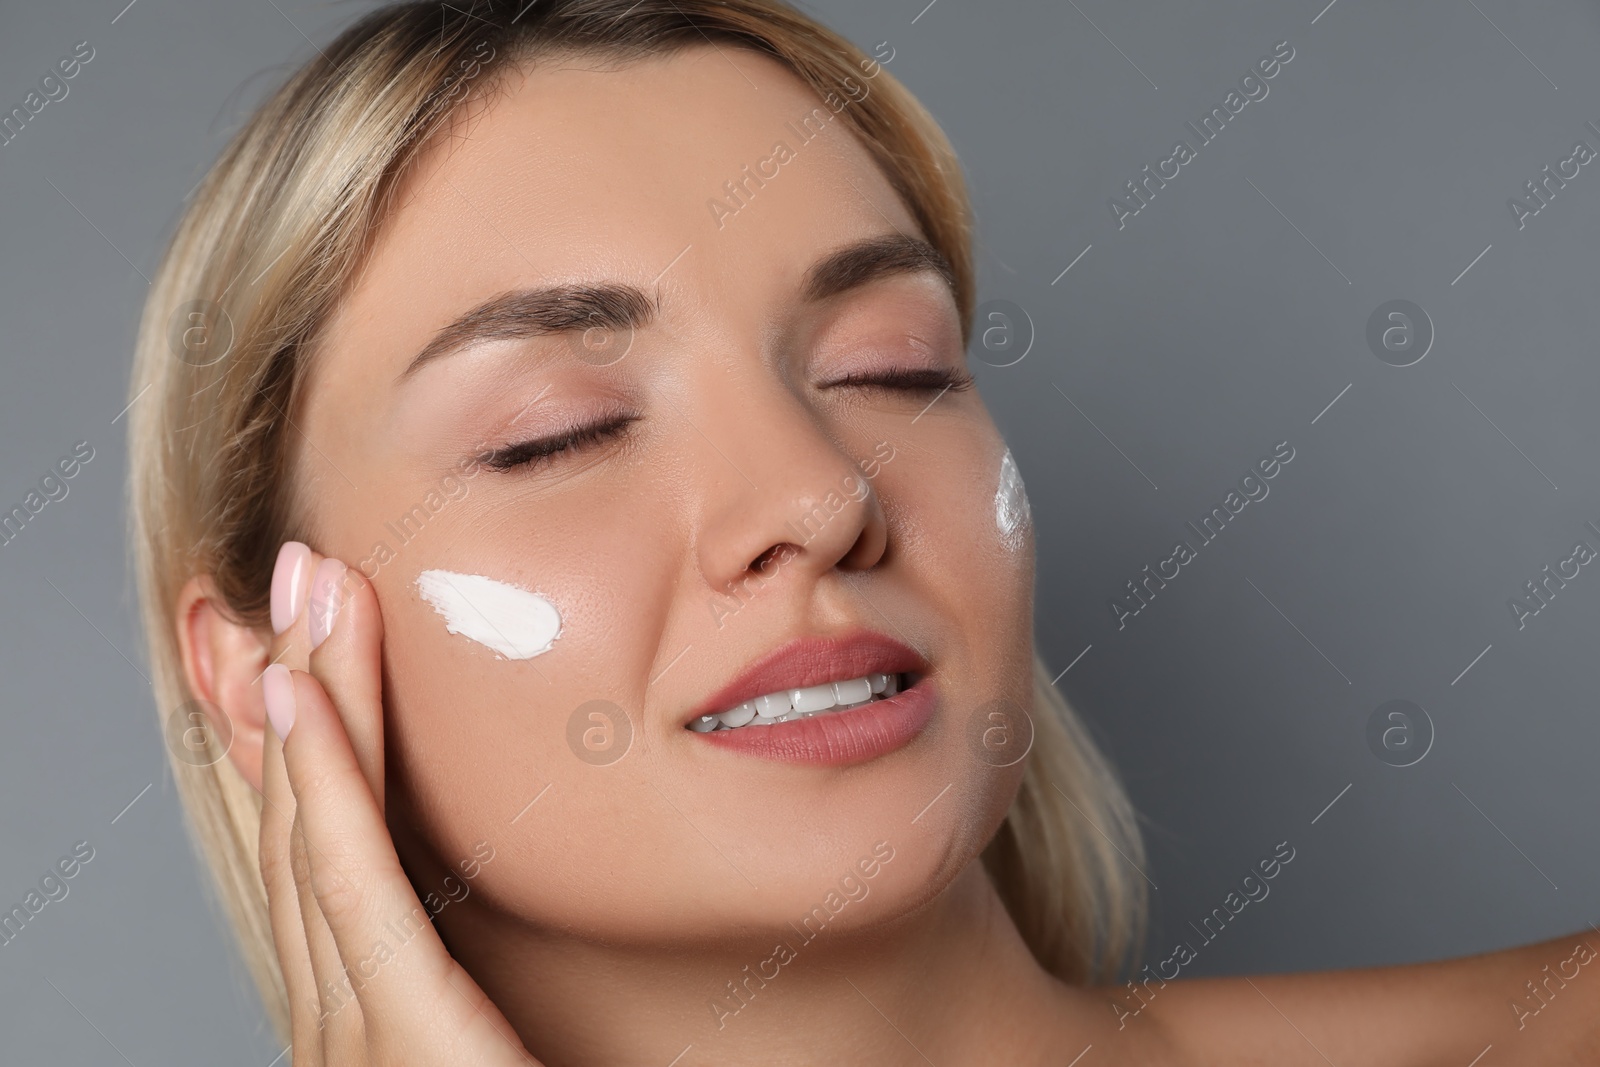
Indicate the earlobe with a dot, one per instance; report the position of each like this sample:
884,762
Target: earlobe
222,664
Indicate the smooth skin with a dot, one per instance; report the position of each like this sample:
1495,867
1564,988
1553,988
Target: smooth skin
622,899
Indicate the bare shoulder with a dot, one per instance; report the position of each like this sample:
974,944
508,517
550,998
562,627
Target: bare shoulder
1535,1004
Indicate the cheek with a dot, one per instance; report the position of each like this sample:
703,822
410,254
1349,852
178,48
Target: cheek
493,685
543,754
483,748
463,723
964,526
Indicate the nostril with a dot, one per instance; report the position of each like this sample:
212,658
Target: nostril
759,564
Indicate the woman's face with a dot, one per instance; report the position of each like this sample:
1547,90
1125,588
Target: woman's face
756,477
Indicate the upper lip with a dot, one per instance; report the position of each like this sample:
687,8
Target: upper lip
807,661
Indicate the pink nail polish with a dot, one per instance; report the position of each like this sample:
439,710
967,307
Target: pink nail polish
327,597
291,576
278,687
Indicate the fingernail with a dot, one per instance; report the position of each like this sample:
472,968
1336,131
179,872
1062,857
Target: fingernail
278,686
327,597
290,578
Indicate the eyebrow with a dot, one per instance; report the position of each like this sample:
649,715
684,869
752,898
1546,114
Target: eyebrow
524,313
875,257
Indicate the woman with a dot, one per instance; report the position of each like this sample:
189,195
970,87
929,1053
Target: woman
562,491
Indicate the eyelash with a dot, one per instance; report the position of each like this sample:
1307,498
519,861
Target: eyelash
930,378
533,454
537,453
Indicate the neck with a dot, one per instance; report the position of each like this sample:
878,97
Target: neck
951,983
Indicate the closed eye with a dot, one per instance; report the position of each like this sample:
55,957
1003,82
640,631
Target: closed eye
910,378
545,450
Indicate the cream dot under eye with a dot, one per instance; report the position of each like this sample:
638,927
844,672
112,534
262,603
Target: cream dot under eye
510,620
1011,513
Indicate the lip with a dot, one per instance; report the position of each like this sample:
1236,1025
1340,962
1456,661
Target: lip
808,661
838,738
835,738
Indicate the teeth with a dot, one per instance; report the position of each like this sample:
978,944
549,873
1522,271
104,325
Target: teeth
773,704
739,716
801,703
852,692
813,698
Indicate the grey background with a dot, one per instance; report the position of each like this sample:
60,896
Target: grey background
1224,318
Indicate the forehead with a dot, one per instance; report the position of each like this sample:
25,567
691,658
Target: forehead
710,169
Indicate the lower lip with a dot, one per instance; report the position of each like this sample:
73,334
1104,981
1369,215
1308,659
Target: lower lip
837,738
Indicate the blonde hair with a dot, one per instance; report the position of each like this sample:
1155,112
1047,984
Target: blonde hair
274,234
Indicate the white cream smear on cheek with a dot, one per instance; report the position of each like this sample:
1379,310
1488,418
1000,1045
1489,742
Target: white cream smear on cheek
506,618
1011,513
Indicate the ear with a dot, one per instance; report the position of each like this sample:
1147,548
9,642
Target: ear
222,663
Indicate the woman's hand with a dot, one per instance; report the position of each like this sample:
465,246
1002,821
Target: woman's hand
368,979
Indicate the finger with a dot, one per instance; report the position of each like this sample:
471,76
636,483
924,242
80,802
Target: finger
346,631
291,582
339,1020
379,926
349,675
283,907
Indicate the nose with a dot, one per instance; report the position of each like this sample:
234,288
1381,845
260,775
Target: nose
790,505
